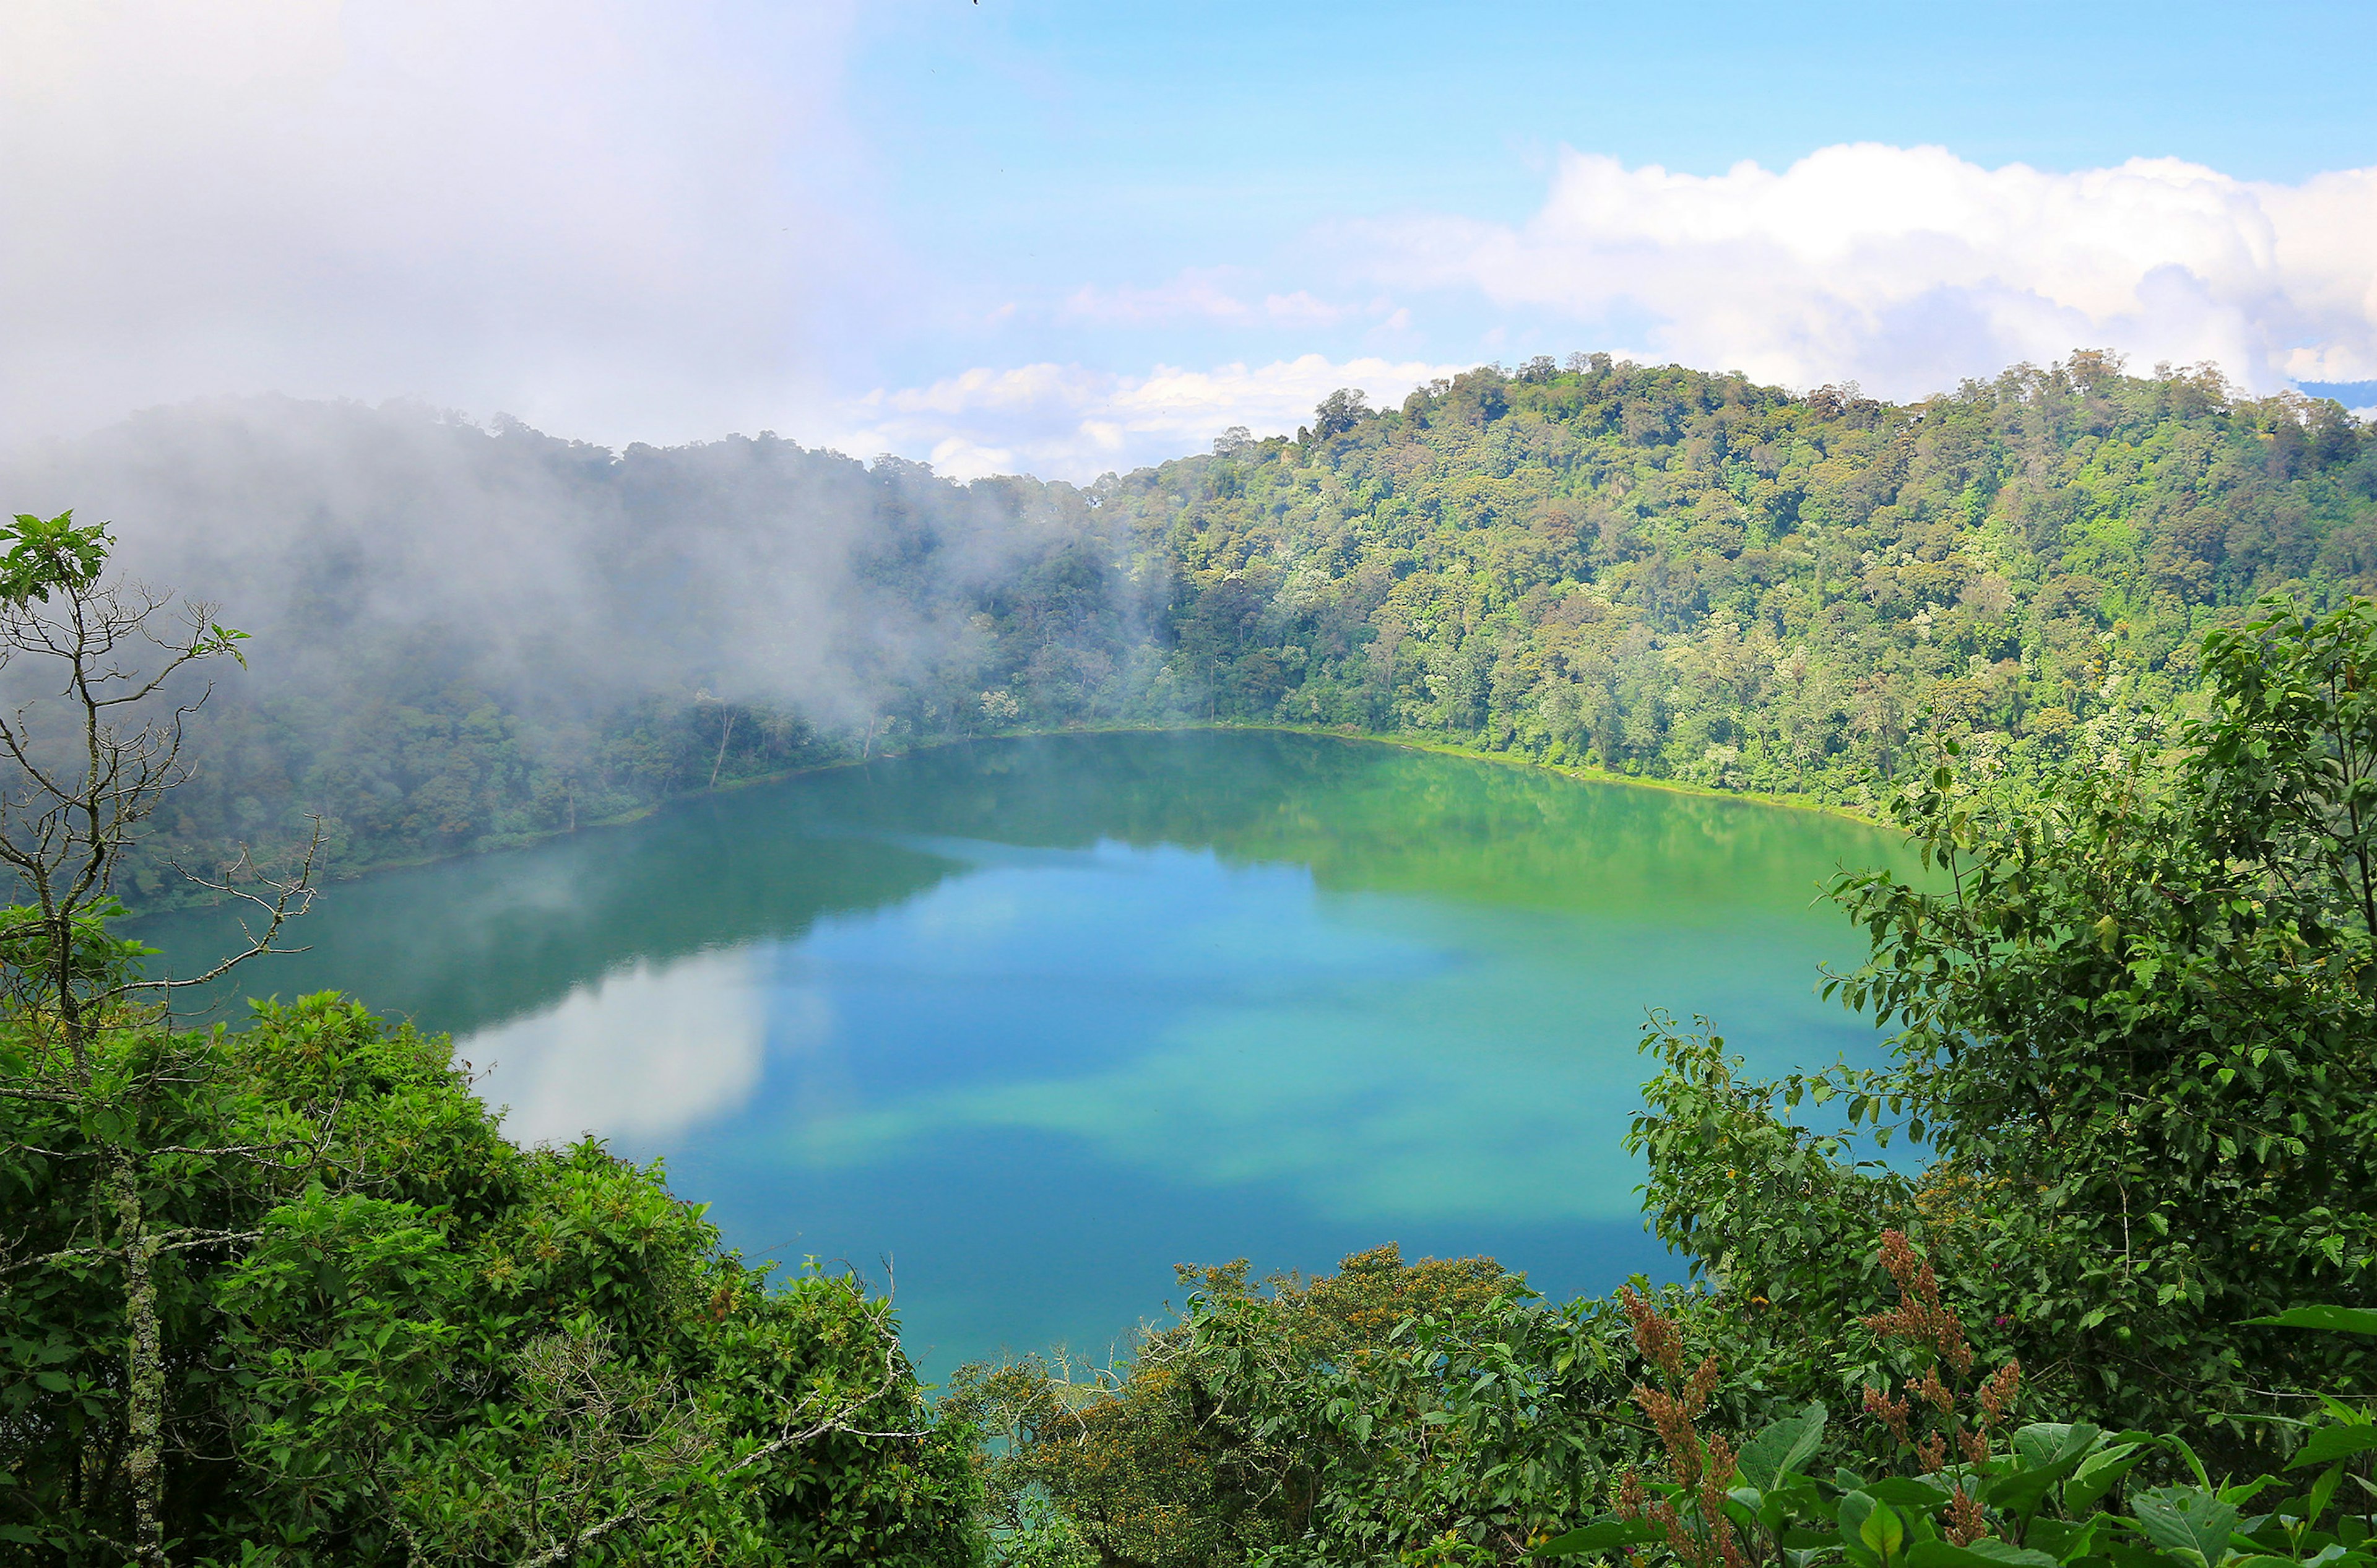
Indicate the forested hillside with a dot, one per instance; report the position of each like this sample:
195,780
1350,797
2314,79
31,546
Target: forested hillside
1687,576
466,636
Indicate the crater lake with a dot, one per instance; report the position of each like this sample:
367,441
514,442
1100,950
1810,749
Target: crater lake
1020,1024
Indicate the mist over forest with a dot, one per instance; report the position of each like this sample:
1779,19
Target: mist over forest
469,636
465,635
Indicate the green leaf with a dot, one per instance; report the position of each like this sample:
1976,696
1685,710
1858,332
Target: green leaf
2329,1443
1983,1553
1601,1535
1782,1448
2042,1442
2245,1491
1908,1493
2333,1320
1883,1531
2098,1473
2061,1448
2063,1541
2322,1492
2190,1524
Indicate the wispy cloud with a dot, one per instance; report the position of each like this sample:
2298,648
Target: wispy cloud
1910,268
1216,295
1195,292
1071,421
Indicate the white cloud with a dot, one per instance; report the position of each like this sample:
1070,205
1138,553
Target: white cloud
1207,295
609,216
1069,421
624,219
1909,268
1075,423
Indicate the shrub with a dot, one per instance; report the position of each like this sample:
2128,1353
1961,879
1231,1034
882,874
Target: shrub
391,1335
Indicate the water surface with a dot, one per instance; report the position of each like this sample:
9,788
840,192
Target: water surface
1036,1020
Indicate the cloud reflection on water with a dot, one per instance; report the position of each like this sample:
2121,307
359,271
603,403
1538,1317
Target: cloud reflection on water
646,1051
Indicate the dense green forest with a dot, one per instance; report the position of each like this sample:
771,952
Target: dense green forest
474,636
1685,576
284,1295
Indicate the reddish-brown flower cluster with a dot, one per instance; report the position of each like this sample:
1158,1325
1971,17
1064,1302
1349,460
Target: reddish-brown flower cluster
1997,1395
1629,1494
1925,1416
1890,1410
1661,1343
1672,1410
1966,1522
1727,1549
1922,1318
1932,1329
1700,1468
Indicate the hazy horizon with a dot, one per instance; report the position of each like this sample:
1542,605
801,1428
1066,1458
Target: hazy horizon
1036,237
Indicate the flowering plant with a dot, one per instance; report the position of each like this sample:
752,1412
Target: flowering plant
1982,1494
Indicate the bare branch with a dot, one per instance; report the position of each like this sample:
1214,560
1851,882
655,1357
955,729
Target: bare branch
154,1556
190,1238
292,896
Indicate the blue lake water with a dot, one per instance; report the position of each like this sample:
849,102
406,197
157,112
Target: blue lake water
1028,1022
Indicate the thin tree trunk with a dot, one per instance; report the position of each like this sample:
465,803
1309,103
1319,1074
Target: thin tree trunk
725,735
144,1463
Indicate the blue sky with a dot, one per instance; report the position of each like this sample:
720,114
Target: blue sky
1065,237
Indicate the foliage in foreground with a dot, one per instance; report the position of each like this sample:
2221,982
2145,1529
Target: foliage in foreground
389,1335
1983,1492
2136,1030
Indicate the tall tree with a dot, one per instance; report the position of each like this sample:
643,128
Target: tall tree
86,755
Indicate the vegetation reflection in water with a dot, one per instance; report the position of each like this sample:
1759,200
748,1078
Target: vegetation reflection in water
1038,1019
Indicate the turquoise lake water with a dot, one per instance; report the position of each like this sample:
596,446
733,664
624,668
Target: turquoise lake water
1036,1020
